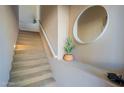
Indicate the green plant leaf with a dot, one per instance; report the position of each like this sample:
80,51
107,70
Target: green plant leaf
69,45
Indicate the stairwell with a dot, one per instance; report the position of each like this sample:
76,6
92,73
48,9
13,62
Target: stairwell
30,67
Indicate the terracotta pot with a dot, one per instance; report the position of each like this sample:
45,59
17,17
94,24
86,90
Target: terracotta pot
68,57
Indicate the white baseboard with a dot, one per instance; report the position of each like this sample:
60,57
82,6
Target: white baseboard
49,44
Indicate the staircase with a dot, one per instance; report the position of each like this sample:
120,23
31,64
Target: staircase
30,67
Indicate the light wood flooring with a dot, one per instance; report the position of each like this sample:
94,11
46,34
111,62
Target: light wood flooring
30,67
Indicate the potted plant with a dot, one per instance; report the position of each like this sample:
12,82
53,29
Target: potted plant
68,49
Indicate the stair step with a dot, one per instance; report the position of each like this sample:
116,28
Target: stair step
25,55
29,71
28,76
30,62
24,49
29,51
29,66
28,57
31,80
29,35
29,43
29,39
46,82
29,47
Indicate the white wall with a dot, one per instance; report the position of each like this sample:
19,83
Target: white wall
108,51
55,21
8,35
49,20
27,13
16,11
63,21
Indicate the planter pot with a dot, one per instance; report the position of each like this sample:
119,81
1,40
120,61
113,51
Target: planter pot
68,57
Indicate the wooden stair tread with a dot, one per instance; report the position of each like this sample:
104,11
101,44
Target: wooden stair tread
30,66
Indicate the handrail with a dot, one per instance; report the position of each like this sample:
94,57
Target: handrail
48,41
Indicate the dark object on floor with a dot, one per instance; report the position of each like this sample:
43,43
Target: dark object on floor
34,21
116,78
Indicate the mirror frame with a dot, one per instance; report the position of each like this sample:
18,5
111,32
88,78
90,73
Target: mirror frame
75,32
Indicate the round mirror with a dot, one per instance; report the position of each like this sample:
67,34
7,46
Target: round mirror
90,24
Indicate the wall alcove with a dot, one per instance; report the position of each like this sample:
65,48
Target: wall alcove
90,24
